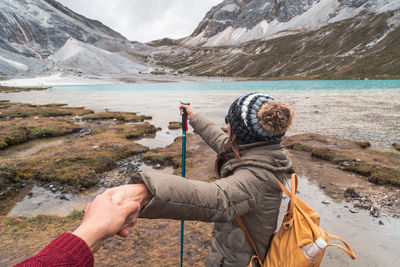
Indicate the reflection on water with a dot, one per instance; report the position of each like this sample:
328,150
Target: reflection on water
31,147
43,201
373,244
162,138
149,168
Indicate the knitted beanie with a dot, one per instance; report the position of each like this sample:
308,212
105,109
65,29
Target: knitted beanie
244,120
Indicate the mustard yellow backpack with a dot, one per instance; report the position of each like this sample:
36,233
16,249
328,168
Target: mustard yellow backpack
300,227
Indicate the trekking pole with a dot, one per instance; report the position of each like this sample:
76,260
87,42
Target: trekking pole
184,129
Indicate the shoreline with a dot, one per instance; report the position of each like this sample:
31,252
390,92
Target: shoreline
59,79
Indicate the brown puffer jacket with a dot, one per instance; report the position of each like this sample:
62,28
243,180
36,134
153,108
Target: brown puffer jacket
248,188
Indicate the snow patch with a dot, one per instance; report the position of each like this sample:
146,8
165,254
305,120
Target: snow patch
264,26
376,41
53,80
89,59
229,7
382,6
15,64
221,38
316,15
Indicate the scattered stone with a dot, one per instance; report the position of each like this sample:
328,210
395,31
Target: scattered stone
364,144
374,212
338,216
380,223
354,210
64,197
157,166
326,201
174,125
322,186
94,147
396,146
363,204
358,160
350,192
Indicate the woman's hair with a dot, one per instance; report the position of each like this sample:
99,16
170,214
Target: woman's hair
232,144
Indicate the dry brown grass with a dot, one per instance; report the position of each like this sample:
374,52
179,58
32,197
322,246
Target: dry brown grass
77,161
151,242
130,131
121,116
21,130
173,125
170,155
13,110
14,89
379,167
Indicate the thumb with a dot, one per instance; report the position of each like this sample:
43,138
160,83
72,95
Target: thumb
130,207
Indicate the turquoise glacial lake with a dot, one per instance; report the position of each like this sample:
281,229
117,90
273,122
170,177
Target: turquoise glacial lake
359,110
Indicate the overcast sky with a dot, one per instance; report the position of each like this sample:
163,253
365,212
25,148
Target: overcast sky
145,20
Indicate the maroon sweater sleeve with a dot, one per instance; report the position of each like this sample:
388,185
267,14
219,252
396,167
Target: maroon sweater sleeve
66,250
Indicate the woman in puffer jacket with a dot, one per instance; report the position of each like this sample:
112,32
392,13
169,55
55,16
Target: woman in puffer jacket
249,162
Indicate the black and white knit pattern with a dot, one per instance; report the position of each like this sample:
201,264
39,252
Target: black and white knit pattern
242,116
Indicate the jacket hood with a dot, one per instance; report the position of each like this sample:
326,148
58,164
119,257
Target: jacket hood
268,155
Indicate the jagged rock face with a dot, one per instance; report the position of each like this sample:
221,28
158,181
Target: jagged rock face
248,13
43,37
237,21
366,46
37,28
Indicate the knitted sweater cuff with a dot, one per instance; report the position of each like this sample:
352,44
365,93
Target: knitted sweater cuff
75,247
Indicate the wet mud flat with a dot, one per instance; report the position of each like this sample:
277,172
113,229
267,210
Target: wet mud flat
87,146
156,242
14,89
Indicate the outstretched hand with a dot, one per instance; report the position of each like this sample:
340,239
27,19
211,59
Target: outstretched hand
131,192
104,218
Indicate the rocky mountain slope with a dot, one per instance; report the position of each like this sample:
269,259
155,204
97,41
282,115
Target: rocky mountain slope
366,46
236,21
43,36
259,39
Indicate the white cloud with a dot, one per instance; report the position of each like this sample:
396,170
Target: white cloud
145,20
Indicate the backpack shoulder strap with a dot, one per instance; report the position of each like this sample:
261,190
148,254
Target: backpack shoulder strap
240,222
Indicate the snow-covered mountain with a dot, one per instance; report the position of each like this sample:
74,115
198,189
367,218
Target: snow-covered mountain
242,38
43,36
237,21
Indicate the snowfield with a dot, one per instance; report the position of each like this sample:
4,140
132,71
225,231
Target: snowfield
317,15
